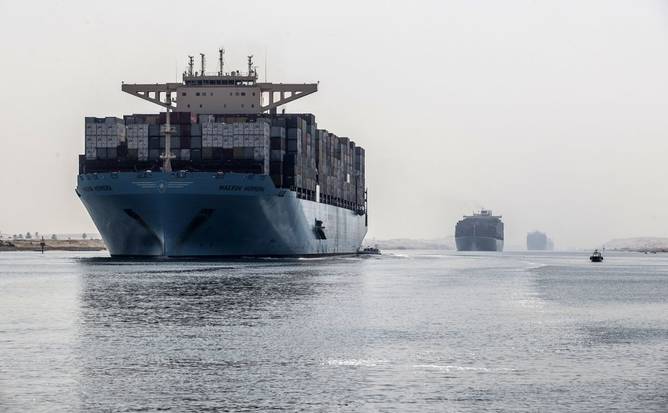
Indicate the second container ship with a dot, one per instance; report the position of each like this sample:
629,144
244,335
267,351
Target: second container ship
221,173
539,241
481,231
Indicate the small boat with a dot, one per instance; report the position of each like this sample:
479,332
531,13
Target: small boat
369,251
596,256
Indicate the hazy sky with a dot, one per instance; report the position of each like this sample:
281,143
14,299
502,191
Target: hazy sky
552,113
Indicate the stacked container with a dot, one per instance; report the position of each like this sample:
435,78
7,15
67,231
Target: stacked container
237,141
359,174
289,148
107,134
292,162
185,137
137,131
90,138
137,142
278,146
308,153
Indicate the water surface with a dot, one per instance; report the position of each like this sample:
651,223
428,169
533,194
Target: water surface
408,331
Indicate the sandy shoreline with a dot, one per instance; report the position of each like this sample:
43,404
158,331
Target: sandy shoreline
53,245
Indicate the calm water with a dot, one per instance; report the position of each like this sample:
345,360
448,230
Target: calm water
409,331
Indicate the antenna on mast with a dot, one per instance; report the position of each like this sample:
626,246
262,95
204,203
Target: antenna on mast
250,65
191,63
221,52
202,63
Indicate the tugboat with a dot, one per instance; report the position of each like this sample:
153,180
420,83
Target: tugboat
596,256
369,251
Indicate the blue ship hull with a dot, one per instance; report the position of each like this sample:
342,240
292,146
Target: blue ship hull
200,214
478,243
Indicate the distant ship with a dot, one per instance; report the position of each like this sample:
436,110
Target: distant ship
538,241
480,232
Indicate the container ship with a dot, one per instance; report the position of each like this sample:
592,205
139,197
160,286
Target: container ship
481,231
539,241
220,173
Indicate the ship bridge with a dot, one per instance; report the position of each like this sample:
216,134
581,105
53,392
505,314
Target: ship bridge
484,213
221,92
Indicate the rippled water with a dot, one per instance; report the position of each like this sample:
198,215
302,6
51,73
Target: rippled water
410,331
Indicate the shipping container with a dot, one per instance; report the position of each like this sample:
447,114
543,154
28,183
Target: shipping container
287,147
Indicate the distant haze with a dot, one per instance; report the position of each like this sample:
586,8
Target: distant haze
553,114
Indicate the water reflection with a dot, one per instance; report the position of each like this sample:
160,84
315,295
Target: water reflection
193,294
192,328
